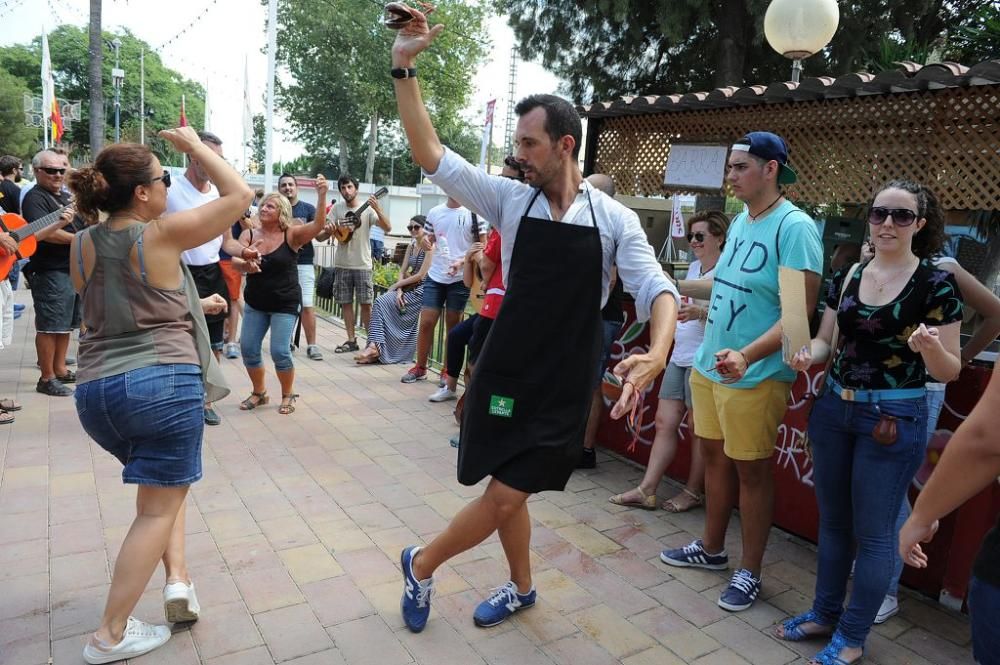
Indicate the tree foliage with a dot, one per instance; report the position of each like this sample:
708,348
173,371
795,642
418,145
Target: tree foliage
337,55
16,138
68,47
608,48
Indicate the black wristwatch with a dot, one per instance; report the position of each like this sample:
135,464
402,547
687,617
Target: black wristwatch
403,72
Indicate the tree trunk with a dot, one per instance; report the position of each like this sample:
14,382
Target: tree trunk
344,157
732,47
94,71
372,145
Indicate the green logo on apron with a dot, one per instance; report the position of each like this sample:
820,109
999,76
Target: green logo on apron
501,406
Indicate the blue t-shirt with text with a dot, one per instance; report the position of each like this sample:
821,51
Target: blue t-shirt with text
745,303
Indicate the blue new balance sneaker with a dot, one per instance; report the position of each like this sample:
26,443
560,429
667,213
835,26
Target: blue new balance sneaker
743,589
695,556
504,602
416,601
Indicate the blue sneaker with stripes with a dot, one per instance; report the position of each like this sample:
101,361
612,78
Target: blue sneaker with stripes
695,556
743,589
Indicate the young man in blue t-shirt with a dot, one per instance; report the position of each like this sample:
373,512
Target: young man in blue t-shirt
741,384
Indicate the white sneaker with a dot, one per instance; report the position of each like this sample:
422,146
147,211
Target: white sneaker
443,394
139,638
889,609
180,604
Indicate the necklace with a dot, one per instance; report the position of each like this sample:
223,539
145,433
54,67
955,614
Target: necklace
880,287
753,219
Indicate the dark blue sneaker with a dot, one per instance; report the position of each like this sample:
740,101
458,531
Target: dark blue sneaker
695,556
743,589
416,601
505,601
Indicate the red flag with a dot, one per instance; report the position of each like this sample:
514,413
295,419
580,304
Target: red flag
184,120
57,122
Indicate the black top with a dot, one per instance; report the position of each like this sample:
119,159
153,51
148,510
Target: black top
613,311
875,355
275,289
10,200
39,202
987,567
307,213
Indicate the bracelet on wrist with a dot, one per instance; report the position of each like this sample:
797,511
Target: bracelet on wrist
403,72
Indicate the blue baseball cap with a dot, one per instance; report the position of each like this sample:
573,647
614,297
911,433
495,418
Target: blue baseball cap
769,146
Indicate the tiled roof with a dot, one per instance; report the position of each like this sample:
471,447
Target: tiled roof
909,77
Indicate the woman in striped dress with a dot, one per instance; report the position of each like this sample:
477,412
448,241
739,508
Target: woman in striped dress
392,337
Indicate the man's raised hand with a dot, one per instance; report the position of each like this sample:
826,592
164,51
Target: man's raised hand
414,35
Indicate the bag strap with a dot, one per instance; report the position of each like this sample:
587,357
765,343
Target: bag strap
836,325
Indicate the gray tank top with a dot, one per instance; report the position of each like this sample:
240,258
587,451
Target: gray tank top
130,324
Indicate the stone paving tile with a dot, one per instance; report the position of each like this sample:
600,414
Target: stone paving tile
293,539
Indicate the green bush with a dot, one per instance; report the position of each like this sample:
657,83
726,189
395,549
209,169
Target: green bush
386,274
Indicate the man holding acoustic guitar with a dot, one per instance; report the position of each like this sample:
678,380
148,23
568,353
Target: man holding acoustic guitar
352,262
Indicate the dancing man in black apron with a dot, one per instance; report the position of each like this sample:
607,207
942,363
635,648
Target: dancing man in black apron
527,407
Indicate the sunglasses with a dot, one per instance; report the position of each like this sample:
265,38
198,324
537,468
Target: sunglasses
165,178
900,216
52,170
700,237
413,227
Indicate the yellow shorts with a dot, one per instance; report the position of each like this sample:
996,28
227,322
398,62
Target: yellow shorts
746,419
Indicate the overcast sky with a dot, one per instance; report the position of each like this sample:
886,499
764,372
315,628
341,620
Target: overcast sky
212,50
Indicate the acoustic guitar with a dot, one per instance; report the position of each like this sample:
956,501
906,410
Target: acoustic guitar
345,228
24,233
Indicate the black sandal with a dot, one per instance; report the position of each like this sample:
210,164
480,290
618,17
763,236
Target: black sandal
9,405
6,418
250,403
348,346
287,408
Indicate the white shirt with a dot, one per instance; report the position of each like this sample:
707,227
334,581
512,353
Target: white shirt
690,333
452,239
623,241
182,195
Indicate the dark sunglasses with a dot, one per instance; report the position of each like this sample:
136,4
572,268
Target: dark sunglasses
413,227
900,216
700,237
165,178
51,170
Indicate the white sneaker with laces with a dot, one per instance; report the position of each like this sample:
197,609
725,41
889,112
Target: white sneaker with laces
180,604
443,394
139,638
889,609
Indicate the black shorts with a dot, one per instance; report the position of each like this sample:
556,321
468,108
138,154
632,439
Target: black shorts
57,307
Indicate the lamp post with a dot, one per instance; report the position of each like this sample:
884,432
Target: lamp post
117,78
799,28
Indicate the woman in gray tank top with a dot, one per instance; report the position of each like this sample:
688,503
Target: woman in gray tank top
145,365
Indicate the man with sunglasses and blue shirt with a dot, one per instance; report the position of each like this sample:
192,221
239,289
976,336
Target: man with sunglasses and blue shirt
57,309
740,385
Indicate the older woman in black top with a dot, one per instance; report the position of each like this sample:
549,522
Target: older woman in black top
272,297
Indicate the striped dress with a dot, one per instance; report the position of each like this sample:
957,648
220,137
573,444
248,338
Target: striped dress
395,334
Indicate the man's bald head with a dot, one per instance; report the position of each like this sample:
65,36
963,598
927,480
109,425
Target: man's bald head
603,183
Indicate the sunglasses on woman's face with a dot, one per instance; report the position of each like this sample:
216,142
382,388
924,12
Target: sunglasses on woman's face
900,216
165,178
413,227
700,237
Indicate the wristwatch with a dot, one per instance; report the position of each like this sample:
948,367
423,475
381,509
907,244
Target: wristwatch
403,72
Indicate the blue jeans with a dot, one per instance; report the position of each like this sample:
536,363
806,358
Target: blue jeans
935,402
151,419
377,250
860,485
255,325
984,612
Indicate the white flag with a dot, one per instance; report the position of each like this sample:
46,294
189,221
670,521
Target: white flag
487,132
48,86
677,219
247,115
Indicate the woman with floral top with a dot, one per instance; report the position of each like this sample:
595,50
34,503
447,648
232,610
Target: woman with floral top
899,319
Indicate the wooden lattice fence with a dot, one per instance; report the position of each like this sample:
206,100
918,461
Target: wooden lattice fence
842,148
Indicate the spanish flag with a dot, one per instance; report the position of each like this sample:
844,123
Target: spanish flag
184,120
49,101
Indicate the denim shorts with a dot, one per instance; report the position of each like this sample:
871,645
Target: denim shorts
151,419
452,296
676,384
57,307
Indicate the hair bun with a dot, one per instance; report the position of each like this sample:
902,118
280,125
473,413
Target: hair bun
92,191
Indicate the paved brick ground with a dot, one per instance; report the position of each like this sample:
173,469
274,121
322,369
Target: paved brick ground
295,532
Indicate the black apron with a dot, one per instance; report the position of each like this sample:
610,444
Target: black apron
209,280
527,405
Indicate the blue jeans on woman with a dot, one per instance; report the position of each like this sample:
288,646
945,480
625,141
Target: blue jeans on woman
860,485
255,325
984,612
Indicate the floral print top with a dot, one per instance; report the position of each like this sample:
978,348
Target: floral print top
874,354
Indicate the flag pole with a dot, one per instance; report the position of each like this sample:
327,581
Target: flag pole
142,97
272,32
46,102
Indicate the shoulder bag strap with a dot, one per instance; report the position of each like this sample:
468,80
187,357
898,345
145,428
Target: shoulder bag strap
835,340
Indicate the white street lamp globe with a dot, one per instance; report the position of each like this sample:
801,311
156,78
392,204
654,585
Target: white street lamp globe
798,28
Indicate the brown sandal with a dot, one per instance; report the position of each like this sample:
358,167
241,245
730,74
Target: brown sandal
255,400
674,505
648,502
6,418
7,404
289,406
